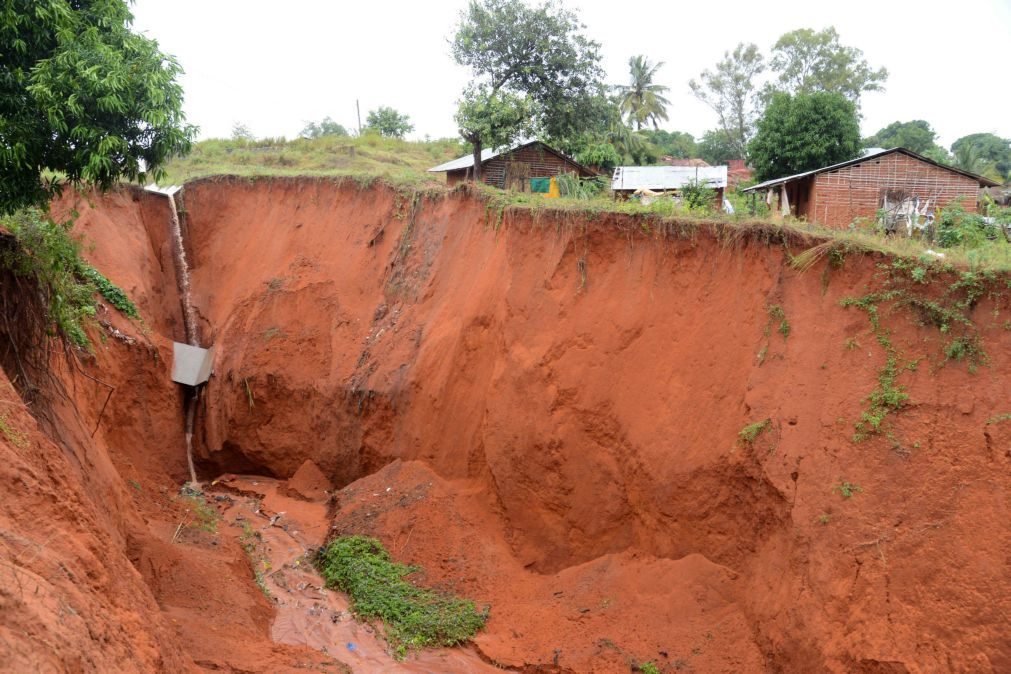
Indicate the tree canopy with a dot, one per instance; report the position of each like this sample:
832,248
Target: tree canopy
810,61
804,132
536,54
642,101
989,148
83,96
492,119
388,122
731,91
677,144
716,148
326,127
915,135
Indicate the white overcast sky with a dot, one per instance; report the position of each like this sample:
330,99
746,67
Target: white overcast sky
275,65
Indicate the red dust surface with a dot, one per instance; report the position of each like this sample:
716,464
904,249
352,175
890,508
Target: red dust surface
541,411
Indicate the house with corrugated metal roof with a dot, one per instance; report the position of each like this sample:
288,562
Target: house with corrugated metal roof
897,180
653,180
515,167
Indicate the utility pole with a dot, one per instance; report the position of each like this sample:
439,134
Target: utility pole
359,111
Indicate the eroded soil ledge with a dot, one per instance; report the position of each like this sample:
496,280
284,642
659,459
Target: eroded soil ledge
541,410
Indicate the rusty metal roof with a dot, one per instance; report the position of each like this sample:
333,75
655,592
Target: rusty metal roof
983,181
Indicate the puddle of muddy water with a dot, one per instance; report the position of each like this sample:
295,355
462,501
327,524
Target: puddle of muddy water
278,531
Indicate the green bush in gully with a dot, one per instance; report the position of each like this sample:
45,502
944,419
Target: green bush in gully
46,251
415,617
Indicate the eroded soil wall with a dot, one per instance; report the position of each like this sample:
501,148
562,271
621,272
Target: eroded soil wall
544,410
589,378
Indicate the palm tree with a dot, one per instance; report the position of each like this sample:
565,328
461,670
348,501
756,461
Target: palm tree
641,100
968,158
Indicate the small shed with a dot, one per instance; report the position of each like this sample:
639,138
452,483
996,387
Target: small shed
514,167
897,180
627,180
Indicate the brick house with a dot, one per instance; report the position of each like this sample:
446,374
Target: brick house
897,178
513,168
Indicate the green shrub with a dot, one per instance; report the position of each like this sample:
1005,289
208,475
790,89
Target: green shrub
415,617
956,227
750,433
109,290
45,250
698,197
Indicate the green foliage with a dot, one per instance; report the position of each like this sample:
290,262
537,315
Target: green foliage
847,489
677,144
414,617
915,135
648,668
205,516
730,91
371,155
698,197
82,95
716,148
113,294
811,61
776,313
538,53
888,396
326,127
750,433
574,187
998,418
602,155
388,122
955,227
804,132
491,119
45,250
988,148
642,101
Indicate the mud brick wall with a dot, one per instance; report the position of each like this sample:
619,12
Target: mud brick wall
840,196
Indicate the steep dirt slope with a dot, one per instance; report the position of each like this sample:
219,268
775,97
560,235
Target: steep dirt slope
100,570
586,381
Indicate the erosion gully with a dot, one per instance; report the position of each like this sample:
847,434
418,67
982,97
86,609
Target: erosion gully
280,534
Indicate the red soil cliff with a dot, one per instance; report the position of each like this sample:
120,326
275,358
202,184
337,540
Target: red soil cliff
544,413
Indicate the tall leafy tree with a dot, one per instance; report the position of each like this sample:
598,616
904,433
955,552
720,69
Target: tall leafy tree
804,132
538,54
730,90
988,147
388,122
493,119
642,101
810,61
84,96
915,135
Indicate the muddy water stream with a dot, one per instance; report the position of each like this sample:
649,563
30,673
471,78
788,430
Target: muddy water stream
278,528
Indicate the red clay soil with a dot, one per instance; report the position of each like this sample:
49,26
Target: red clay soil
543,413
